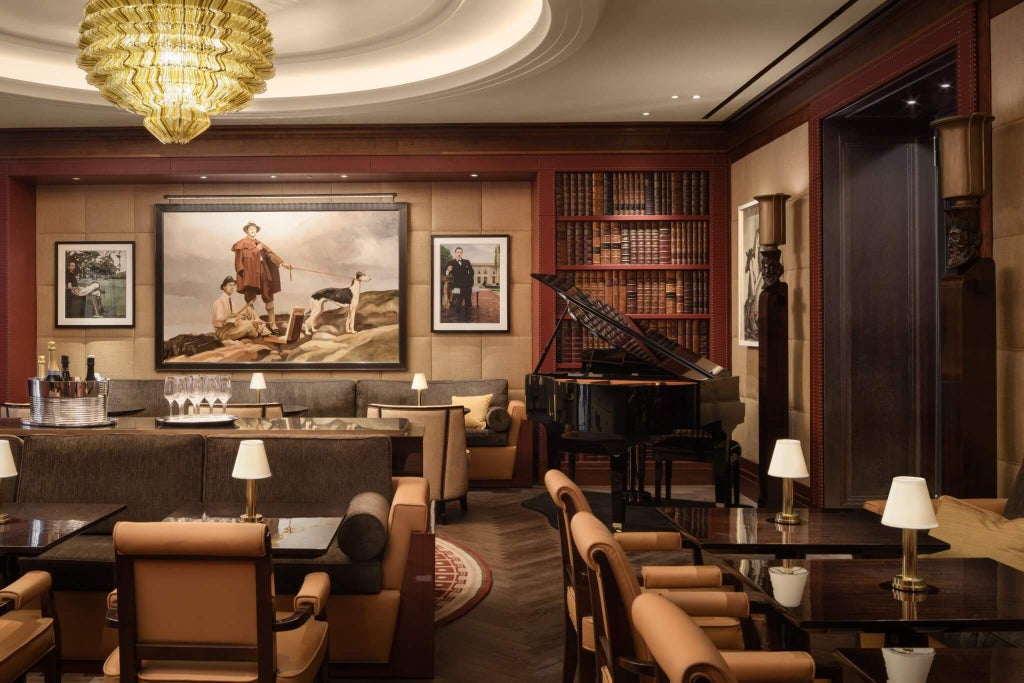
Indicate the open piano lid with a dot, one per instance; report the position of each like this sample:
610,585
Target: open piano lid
608,323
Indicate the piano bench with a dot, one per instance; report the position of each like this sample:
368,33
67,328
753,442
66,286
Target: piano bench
725,466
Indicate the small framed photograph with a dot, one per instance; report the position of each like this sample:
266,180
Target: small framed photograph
469,288
95,284
750,281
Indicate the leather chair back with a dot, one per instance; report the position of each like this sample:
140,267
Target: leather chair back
445,464
267,410
682,651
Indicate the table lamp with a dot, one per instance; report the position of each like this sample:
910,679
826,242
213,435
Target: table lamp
251,464
258,384
787,464
419,383
909,507
7,469
788,584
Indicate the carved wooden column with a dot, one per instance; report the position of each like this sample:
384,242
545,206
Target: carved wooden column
773,344
967,314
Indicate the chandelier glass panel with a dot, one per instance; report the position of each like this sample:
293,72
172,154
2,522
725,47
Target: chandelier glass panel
176,62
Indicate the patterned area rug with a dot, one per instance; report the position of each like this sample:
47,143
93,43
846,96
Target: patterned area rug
461,581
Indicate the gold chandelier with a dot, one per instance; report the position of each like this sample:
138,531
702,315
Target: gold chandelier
176,62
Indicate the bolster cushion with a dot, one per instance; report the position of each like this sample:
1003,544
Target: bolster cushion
498,419
364,531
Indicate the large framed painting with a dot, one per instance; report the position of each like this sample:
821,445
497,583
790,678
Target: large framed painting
469,284
287,286
95,284
750,281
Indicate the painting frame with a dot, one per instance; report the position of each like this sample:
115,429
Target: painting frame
489,257
329,244
750,281
94,284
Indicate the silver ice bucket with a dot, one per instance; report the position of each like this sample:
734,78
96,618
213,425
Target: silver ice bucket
68,404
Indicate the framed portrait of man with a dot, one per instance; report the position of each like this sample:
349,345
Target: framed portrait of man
296,286
95,284
469,283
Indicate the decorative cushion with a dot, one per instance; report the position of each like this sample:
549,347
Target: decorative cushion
498,419
1015,500
476,418
364,531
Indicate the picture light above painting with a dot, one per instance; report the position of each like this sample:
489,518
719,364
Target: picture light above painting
281,286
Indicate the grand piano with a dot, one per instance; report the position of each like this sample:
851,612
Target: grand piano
644,389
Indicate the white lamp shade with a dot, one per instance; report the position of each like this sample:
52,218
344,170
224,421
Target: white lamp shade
257,381
7,468
788,587
908,664
788,460
909,505
251,461
419,381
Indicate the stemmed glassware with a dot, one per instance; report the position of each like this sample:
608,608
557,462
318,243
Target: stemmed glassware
180,393
224,391
195,391
210,390
169,383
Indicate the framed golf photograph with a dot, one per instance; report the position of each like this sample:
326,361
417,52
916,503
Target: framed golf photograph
95,284
469,285
297,286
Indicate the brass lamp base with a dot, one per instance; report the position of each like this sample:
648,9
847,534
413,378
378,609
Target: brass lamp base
911,584
787,518
251,518
5,518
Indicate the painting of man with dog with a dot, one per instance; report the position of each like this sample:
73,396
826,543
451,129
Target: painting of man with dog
95,284
470,283
335,303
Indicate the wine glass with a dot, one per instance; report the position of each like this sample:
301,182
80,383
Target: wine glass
195,391
180,393
210,390
169,383
224,391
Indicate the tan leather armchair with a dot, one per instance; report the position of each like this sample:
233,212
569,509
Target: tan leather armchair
723,616
445,461
28,636
195,602
498,465
578,647
683,653
267,410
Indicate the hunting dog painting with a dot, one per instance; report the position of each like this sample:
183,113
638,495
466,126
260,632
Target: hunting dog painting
345,297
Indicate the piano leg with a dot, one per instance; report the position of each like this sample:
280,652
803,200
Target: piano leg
553,434
618,467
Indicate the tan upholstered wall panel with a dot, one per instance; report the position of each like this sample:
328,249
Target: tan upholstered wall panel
1008,236
125,212
780,166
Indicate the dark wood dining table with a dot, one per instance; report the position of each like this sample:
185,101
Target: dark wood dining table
939,665
753,531
966,594
296,530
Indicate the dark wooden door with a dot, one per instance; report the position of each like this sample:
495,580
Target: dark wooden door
879,291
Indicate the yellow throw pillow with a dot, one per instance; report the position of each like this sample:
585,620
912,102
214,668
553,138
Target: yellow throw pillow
476,418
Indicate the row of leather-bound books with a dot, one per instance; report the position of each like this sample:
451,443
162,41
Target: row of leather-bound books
612,193
573,339
650,292
632,242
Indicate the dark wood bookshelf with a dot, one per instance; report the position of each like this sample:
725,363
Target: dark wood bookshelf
626,217
636,266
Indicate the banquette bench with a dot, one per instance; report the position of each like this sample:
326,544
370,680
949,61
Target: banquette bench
495,456
380,612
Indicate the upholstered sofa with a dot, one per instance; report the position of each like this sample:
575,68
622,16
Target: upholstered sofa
495,456
380,610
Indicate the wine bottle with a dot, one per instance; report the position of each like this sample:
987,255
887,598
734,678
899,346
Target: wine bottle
65,369
90,368
41,367
52,369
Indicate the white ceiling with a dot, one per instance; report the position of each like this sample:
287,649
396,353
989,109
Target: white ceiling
457,61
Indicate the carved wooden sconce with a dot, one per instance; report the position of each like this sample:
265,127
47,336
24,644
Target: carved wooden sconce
773,343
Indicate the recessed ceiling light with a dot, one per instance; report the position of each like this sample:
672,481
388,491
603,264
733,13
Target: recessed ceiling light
202,177
309,177
945,85
647,113
675,97
76,178
696,97
911,101
474,175
344,175
273,176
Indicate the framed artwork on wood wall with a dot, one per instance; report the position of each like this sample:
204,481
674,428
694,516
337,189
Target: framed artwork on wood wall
291,286
750,281
95,284
469,289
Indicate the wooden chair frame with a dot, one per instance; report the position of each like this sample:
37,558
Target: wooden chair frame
576,576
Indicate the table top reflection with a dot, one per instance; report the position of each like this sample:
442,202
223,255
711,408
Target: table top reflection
754,531
36,527
309,426
966,593
295,530
934,665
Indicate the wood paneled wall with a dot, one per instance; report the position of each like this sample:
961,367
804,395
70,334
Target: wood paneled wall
125,212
